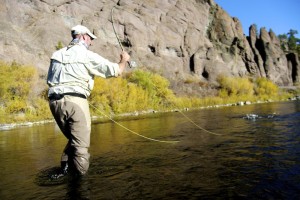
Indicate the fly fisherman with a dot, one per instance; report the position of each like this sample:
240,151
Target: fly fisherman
71,79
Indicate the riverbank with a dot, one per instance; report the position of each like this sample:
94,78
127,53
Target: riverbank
123,116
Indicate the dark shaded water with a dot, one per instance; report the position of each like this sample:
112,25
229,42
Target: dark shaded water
253,159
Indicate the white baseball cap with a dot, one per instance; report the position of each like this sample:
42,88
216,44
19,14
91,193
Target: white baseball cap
79,29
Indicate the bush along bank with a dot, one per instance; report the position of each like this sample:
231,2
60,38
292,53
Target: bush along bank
138,92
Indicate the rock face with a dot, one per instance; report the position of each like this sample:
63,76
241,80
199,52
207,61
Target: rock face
177,38
259,56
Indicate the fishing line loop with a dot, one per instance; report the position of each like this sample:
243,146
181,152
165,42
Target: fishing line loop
134,65
148,138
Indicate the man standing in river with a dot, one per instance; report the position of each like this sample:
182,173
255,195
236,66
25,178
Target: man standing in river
71,79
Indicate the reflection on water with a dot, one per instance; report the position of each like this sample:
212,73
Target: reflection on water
253,159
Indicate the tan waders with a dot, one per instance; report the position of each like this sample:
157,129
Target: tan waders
71,112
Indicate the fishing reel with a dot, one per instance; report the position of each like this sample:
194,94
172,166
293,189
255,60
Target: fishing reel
132,64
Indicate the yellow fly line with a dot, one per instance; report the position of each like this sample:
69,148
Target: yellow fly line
156,140
148,138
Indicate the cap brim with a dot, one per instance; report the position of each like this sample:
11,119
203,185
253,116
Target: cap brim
92,35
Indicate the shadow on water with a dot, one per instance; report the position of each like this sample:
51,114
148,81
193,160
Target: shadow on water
253,159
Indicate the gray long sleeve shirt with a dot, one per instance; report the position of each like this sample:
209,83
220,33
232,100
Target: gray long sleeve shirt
72,70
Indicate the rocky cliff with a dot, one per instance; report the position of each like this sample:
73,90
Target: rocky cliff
183,40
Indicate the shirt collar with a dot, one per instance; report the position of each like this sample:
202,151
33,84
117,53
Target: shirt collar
79,42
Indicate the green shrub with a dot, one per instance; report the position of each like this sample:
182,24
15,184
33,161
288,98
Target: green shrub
16,83
138,91
116,95
265,88
39,109
156,86
231,86
59,45
137,98
235,89
16,106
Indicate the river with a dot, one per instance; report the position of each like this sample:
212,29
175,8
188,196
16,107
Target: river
251,159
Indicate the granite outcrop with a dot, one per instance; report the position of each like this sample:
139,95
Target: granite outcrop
183,40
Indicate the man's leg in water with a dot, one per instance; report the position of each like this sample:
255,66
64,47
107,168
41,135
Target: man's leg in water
73,117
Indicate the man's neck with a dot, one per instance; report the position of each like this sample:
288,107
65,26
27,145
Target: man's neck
78,41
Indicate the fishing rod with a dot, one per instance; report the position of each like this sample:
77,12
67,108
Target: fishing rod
133,64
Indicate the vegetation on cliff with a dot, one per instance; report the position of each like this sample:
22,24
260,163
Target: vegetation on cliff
289,42
136,91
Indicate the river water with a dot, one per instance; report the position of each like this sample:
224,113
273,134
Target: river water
252,159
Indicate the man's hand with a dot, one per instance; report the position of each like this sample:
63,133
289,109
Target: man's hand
125,57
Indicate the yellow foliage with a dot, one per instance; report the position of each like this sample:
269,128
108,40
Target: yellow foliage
59,45
231,86
16,106
235,89
265,88
39,109
16,81
117,95
159,94
139,91
137,98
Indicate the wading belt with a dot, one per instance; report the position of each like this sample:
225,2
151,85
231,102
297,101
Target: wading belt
55,97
